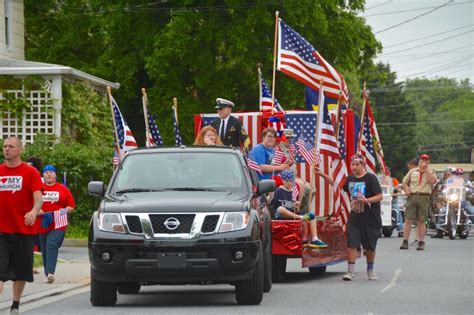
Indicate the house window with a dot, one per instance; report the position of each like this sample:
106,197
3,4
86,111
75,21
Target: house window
8,23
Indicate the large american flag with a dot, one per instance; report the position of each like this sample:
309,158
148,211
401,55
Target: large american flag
266,95
304,124
327,142
154,136
366,145
177,135
298,59
126,141
339,170
251,122
375,137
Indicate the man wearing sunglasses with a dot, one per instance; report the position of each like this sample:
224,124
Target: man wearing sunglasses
229,128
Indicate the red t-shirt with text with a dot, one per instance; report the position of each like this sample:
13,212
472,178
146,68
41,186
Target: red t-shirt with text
55,197
17,185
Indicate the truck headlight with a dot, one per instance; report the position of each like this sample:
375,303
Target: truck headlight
111,222
234,221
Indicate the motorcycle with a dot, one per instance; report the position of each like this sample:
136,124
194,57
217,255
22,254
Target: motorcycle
452,218
392,215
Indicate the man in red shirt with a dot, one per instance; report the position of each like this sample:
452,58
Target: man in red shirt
21,199
52,222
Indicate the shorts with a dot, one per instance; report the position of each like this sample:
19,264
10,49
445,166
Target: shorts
16,257
365,235
416,208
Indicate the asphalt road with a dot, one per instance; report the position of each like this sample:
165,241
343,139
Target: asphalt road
439,280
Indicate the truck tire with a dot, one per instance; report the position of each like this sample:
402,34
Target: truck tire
317,270
267,273
128,288
278,268
250,291
103,293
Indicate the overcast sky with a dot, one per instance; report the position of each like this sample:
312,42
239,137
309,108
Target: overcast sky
445,36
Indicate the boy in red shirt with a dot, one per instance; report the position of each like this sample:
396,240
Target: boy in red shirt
52,222
20,199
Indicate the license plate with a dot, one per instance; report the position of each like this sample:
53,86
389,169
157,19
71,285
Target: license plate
171,260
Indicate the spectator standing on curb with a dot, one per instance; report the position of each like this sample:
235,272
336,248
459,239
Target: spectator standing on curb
52,223
365,220
21,199
417,184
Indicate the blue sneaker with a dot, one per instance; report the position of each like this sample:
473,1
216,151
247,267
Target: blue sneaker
317,244
309,216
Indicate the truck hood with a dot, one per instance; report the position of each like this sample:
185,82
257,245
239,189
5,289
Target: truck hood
178,201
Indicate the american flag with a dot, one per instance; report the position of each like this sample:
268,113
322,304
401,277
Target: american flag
295,191
60,218
266,96
307,151
252,123
292,149
253,165
298,59
366,145
327,142
375,137
304,122
339,172
279,156
154,136
125,137
177,135
115,159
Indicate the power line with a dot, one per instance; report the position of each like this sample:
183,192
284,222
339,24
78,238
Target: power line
429,43
412,10
454,64
450,62
430,64
413,18
432,35
378,5
426,55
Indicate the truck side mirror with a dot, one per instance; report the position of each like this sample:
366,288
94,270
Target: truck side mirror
96,188
265,186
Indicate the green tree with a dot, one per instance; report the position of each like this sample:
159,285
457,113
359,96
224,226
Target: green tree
393,115
444,114
193,50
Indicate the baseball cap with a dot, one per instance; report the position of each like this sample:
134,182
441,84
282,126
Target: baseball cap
424,157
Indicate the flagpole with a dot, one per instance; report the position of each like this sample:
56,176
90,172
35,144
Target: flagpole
274,59
259,87
145,114
117,145
362,119
175,108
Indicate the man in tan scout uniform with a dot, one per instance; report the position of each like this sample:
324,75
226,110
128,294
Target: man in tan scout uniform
417,184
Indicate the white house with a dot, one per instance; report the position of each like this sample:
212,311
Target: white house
44,116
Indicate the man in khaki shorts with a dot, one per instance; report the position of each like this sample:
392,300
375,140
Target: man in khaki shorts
417,184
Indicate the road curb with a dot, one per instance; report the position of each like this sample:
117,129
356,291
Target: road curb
74,242
58,291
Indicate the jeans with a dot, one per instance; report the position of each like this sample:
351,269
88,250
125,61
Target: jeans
50,244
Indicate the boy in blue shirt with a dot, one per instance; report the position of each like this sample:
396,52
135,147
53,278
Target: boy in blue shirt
287,208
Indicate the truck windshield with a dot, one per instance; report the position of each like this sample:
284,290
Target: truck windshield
193,171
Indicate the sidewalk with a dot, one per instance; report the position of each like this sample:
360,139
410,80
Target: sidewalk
70,275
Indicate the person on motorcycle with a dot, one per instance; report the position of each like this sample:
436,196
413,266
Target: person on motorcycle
418,183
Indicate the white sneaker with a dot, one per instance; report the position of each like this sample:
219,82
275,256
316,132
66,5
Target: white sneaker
372,275
50,278
348,276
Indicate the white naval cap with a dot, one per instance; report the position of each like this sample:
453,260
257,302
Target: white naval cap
220,103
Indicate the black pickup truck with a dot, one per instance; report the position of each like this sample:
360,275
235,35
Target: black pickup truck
181,215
